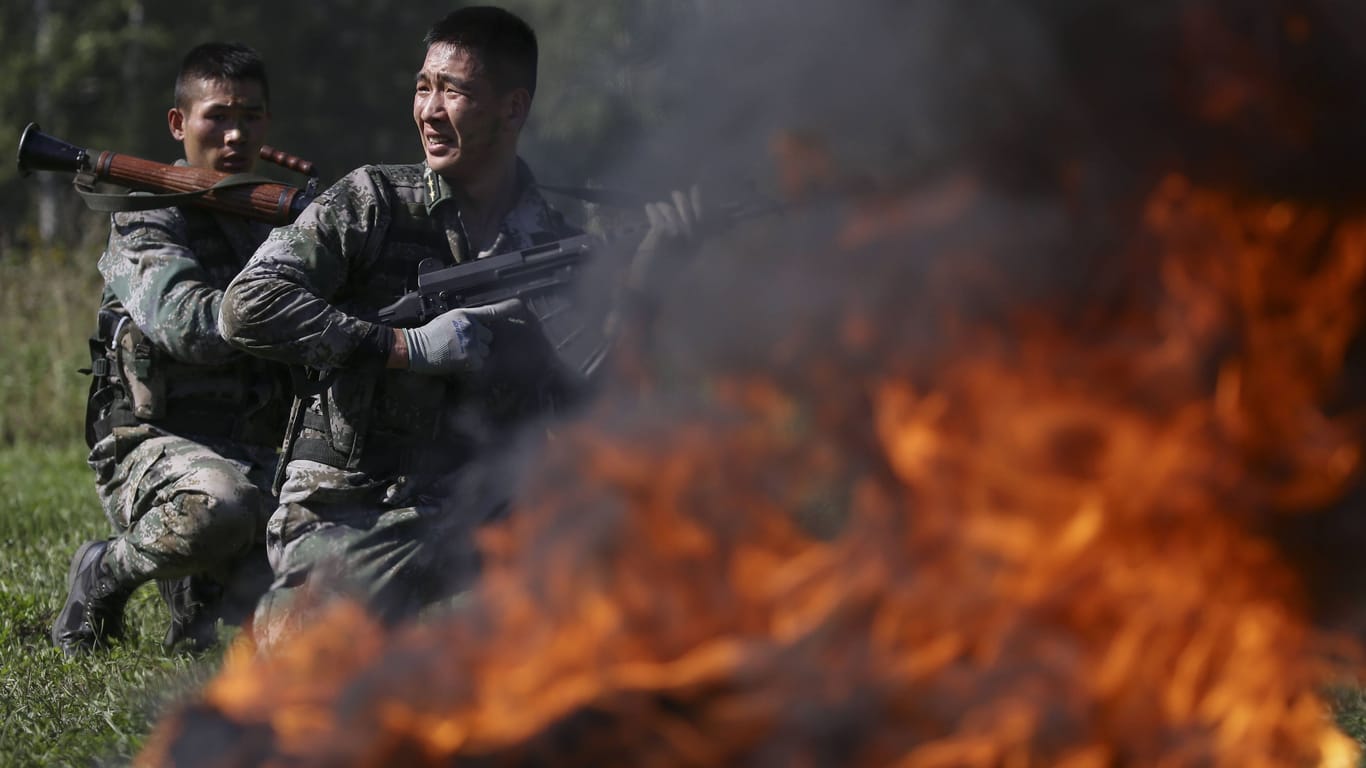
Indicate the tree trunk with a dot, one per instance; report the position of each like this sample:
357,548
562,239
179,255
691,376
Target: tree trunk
47,184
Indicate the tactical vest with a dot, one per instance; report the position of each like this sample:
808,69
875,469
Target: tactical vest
134,382
383,421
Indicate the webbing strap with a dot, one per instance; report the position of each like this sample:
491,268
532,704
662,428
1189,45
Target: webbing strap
146,201
183,420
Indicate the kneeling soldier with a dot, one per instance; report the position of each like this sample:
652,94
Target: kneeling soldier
182,427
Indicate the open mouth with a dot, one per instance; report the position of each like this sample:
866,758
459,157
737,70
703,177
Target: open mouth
437,141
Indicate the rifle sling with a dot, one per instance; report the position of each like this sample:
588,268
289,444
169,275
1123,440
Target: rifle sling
146,201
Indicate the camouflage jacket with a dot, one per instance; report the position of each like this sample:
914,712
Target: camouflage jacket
304,296
165,271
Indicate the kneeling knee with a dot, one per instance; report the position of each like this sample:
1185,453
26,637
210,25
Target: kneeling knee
227,509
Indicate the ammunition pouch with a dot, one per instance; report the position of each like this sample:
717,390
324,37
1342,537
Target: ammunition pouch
133,383
143,379
367,412
382,456
386,454
383,423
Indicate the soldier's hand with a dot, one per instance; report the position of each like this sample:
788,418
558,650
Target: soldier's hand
674,238
457,341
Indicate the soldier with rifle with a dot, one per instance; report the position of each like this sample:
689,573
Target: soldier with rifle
405,450
183,427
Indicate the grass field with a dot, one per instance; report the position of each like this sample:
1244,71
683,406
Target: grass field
56,711
47,308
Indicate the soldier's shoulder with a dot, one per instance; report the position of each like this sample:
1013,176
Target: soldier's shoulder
399,177
541,221
555,221
169,224
171,216
370,181
406,174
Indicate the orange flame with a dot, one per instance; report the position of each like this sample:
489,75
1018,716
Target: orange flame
1049,547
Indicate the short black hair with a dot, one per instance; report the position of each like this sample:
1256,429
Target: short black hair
501,43
219,61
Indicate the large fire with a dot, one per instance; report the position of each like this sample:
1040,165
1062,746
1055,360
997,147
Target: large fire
940,513
1049,547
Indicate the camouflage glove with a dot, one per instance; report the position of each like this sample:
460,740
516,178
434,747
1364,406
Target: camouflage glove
673,239
456,341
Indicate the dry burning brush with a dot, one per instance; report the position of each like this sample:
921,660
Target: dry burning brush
990,463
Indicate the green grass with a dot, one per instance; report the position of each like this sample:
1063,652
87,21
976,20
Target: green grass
1349,707
95,709
48,301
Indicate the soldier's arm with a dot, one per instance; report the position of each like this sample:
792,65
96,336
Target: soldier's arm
280,305
150,268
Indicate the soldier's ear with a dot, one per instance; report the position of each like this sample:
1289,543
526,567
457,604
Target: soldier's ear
175,120
516,105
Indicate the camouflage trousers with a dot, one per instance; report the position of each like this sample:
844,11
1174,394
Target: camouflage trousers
397,547
180,507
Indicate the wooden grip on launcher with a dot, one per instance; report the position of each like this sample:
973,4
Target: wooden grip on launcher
292,162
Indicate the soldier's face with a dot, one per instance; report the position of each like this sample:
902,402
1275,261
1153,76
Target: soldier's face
224,125
466,126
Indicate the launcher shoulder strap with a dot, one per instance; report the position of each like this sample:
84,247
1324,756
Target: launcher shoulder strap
114,202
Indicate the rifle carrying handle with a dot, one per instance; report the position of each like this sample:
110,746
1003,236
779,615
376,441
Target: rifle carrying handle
292,162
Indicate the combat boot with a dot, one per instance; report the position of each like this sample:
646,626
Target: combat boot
194,602
93,613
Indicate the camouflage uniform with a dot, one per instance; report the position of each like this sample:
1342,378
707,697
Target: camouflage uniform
183,426
393,470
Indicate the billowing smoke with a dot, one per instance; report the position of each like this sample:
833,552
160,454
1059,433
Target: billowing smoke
1004,318
1018,140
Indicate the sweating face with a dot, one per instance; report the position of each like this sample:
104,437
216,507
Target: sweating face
224,125
465,124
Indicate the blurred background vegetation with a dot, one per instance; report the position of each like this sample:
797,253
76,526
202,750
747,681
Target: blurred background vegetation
99,74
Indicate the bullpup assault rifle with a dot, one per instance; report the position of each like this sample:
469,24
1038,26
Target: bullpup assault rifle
543,276
489,280
546,277
247,195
